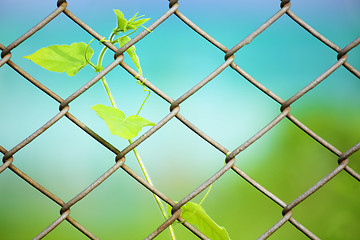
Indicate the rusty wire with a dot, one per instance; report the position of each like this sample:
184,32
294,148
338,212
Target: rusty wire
230,156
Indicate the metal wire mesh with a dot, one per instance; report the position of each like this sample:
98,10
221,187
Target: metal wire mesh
9,155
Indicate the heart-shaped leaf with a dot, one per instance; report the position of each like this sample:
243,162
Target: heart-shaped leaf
62,58
115,120
194,214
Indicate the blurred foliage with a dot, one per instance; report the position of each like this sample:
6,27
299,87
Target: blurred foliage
294,163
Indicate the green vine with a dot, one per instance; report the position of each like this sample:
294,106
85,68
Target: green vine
72,58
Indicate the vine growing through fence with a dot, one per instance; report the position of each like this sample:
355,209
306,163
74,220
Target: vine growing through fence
72,58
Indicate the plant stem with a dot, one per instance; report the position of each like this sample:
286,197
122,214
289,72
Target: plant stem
142,166
101,56
108,92
157,199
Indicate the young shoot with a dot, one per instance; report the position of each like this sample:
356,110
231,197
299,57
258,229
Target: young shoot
72,58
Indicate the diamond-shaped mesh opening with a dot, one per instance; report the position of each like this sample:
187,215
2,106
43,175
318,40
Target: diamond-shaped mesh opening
24,107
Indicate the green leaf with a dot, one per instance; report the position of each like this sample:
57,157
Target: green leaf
123,25
194,214
62,58
136,24
115,120
132,24
121,22
131,51
134,18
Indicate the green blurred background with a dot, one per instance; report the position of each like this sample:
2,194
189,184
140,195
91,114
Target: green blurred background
287,162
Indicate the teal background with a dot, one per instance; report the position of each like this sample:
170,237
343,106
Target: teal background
284,58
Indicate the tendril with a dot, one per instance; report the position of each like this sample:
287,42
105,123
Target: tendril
145,90
103,40
86,59
146,29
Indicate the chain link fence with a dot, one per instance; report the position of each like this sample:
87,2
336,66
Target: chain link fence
9,155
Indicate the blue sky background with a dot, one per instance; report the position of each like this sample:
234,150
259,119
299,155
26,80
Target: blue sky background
284,58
